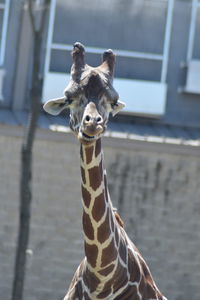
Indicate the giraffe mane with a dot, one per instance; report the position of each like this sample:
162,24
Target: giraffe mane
119,219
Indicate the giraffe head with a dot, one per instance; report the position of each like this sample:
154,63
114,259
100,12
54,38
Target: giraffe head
90,96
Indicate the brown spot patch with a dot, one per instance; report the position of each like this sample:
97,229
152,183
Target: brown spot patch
98,147
83,175
80,290
86,197
150,288
91,280
81,153
133,267
86,297
112,221
151,292
145,270
120,276
116,236
88,154
106,290
122,250
106,187
91,252
129,293
99,207
108,254
87,226
103,232
107,270
142,288
95,176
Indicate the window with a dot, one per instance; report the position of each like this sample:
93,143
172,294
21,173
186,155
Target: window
139,33
193,51
4,11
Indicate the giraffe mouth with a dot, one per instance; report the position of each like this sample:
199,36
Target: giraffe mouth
90,134
88,138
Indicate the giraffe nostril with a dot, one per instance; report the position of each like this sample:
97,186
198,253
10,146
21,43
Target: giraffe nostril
99,119
90,119
87,118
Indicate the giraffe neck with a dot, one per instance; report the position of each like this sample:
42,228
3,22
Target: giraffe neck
113,269
98,216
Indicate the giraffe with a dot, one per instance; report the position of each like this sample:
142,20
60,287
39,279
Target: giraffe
113,268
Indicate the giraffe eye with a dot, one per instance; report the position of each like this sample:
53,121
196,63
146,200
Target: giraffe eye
112,106
70,100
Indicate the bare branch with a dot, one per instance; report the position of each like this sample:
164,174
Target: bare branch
30,10
26,157
44,9
43,18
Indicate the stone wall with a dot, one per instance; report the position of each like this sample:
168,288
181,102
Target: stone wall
155,187
158,196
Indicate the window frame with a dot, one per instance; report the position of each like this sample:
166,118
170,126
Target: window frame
191,39
158,89
5,7
164,57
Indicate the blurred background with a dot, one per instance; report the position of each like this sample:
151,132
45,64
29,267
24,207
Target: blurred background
152,148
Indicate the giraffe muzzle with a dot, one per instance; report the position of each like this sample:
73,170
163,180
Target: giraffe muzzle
90,133
92,125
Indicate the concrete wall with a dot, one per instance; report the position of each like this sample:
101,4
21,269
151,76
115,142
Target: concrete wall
155,187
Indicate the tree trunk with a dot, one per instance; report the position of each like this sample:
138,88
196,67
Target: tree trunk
26,164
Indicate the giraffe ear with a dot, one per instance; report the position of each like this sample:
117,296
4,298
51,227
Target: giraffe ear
119,105
55,106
